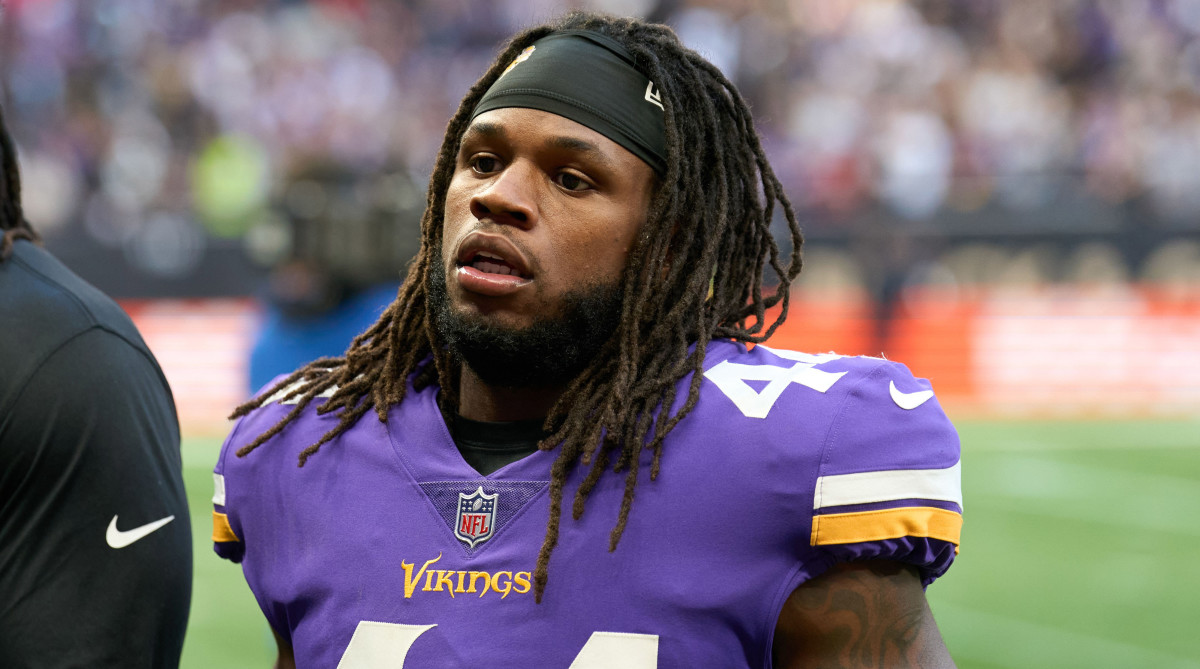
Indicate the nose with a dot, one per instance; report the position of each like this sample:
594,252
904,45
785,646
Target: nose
509,199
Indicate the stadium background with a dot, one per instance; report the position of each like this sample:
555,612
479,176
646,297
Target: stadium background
1003,194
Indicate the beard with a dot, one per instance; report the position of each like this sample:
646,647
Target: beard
555,349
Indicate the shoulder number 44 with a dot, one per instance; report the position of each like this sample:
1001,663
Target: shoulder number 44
731,378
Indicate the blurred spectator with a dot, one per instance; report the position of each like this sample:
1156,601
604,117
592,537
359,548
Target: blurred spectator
157,128
340,243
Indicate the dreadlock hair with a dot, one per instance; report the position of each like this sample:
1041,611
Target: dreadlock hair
12,217
696,273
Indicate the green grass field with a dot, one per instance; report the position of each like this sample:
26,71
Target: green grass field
1081,548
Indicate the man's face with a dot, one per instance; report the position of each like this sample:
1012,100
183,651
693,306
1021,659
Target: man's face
540,217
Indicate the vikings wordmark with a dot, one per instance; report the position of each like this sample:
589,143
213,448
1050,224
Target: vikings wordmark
454,582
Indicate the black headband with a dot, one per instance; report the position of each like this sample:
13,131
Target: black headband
590,79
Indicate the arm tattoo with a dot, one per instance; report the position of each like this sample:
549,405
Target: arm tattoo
860,616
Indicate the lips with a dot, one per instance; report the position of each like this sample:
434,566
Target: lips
491,265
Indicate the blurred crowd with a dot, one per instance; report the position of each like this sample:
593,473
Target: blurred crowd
155,125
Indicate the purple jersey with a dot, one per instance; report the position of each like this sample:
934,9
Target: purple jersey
388,550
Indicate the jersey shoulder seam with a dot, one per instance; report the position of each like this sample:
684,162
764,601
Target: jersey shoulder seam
61,289
836,421
23,384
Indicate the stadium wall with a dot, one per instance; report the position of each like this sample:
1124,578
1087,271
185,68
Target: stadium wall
1111,351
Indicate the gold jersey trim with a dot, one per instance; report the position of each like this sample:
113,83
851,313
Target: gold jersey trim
222,532
921,521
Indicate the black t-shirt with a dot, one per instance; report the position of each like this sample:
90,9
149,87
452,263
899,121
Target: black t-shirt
92,574
488,446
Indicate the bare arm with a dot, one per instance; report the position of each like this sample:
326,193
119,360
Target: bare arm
860,616
286,659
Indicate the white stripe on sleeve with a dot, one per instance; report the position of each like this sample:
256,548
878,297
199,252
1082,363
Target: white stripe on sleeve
869,487
218,489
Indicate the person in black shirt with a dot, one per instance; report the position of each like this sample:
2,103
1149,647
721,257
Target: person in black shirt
95,542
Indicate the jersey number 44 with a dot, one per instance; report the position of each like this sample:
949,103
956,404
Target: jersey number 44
378,645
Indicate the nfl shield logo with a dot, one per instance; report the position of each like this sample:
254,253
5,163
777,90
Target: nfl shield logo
476,517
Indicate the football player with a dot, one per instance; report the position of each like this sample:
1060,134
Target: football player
95,542
561,446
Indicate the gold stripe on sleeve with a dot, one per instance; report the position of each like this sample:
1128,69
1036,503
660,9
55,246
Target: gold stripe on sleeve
222,532
921,521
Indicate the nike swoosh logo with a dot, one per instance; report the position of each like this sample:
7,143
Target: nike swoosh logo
118,539
908,401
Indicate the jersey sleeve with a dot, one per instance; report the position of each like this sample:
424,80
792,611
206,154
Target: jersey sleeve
95,540
888,485
231,477
251,499
227,534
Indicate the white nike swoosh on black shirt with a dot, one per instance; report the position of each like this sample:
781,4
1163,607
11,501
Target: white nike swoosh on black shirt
118,539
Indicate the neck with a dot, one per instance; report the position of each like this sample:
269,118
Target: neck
478,400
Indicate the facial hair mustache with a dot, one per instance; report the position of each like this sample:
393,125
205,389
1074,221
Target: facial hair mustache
552,351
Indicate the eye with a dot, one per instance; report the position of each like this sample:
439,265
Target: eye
572,182
484,164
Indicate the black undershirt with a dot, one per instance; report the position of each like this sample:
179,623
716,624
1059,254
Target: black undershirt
488,446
